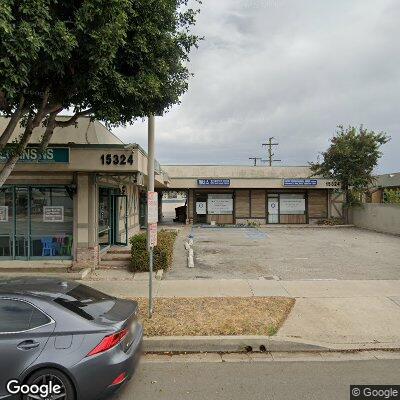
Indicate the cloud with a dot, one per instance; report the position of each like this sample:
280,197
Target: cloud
291,69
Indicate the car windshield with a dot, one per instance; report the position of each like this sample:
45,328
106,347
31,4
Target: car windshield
86,302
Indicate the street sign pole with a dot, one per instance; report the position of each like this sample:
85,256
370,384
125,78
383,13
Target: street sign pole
150,208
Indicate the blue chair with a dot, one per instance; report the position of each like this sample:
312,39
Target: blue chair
48,248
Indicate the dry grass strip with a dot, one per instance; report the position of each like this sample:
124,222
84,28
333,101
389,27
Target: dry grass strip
207,316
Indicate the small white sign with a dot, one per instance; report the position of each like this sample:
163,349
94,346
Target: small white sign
152,235
152,207
292,204
220,204
3,213
201,208
53,214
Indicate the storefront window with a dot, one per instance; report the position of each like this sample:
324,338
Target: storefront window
6,218
292,208
51,217
35,222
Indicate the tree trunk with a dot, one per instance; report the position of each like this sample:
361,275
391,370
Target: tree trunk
16,116
10,163
33,122
51,123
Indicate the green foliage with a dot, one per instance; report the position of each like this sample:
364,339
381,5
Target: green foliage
163,252
351,159
122,59
391,196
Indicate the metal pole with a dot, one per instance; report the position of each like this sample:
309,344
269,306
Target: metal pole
150,188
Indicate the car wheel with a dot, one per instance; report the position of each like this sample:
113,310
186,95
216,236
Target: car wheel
44,377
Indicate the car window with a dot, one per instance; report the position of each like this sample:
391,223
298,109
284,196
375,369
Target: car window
86,302
17,316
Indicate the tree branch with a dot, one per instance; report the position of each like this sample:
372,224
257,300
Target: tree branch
12,123
51,123
10,163
32,123
74,118
4,103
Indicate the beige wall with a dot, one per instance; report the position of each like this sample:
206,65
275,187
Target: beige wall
378,217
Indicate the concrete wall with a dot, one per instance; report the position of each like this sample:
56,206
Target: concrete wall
378,217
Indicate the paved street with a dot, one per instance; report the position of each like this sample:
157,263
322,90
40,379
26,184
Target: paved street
269,380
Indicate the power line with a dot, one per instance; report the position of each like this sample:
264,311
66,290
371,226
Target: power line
255,159
270,154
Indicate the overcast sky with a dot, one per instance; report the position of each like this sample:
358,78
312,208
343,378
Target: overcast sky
292,69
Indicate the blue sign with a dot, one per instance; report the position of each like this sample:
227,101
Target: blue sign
300,182
213,182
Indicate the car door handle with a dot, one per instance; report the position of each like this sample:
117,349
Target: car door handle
28,345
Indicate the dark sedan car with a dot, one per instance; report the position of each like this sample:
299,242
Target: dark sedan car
57,332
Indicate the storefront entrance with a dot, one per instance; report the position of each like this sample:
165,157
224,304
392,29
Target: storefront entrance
36,222
113,218
287,208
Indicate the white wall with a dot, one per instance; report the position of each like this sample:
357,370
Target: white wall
378,217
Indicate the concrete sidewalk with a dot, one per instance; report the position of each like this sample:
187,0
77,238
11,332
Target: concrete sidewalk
333,314
249,288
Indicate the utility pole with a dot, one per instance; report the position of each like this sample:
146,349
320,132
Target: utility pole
270,154
255,159
152,208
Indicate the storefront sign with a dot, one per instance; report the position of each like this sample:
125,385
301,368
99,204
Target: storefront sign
201,208
220,204
152,207
152,235
300,182
53,214
52,155
214,182
3,213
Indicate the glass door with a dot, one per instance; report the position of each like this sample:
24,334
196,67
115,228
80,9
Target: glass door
120,220
104,218
273,209
22,218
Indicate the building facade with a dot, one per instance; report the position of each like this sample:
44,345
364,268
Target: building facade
264,195
85,193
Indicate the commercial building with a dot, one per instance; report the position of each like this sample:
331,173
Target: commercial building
265,195
87,192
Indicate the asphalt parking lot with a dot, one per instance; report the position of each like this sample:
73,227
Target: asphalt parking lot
290,254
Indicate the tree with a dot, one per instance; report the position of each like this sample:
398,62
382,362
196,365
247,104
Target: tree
115,60
391,196
350,160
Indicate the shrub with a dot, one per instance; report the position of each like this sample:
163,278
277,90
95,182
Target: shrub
331,221
163,252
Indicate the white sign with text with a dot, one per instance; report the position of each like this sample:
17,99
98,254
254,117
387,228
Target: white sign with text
220,204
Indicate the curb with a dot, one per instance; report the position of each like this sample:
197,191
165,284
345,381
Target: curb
255,344
223,344
72,275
